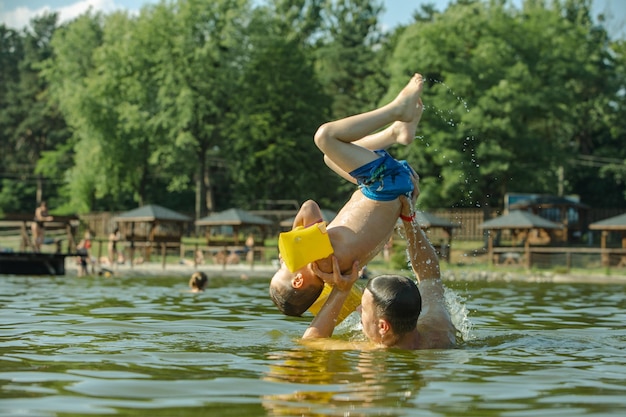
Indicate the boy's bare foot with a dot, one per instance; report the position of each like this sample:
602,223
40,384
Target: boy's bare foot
407,100
405,131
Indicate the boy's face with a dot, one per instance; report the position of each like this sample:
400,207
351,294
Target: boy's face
302,278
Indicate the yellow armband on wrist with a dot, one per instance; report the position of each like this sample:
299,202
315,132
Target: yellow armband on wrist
350,305
303,245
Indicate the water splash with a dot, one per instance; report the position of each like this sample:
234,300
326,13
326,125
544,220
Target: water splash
455,304
447,87
459,314
451,117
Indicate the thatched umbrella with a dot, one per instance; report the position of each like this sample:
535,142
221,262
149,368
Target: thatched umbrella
612,224
237,219
430,221
560,209
153,217
517,220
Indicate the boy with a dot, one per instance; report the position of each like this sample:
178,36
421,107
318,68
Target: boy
366,221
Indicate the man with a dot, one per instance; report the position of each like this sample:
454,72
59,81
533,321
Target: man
394,312
38,226
365,223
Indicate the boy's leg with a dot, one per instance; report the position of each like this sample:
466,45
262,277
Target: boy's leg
398,132
336,138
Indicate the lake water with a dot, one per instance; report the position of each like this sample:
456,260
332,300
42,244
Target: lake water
146,347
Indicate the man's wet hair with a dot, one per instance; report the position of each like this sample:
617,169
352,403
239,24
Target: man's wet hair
397,299
294,301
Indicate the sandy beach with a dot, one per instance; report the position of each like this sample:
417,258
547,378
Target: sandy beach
171,269
265,271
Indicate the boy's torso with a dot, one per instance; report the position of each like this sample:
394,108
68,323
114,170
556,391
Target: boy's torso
360,230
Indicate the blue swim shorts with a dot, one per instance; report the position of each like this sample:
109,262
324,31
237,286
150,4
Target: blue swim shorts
385,178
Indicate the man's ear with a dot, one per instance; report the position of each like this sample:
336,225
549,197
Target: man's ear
383,327
297,281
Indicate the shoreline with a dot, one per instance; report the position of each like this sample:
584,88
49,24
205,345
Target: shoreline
155,269
538,277
266,271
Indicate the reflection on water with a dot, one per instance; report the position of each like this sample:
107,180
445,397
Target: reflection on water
146,346
355,382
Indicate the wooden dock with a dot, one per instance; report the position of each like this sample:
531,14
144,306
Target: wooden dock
30,263
26,261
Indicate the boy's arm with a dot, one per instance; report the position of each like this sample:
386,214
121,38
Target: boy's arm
324,322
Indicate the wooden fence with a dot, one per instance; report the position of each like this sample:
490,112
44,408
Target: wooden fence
101,224
568,257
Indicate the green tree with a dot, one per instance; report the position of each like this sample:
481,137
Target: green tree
104,107
38,125
198,62
274,156
298,20
347,62
507,92
67,72
11,54
598,173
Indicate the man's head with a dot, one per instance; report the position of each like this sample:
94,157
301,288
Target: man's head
293,293
390,307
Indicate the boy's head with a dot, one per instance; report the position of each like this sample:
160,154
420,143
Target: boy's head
294,292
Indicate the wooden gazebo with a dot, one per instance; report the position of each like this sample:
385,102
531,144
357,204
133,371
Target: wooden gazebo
612,224
235,218
517,221
429,221
566,211
150,226
26,261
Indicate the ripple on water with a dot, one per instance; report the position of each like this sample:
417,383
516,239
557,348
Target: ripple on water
95,346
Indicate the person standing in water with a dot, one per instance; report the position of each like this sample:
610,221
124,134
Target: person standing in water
352,148
198,281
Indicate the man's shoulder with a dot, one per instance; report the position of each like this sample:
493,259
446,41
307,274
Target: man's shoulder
437,334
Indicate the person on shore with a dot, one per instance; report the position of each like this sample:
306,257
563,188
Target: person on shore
114,254
84,259
38,228
197,260
249,249
367,220
198,281
395,312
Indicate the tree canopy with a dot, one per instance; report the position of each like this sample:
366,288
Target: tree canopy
204,105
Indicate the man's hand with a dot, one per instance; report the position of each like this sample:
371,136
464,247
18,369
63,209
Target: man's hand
324,322
335,279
